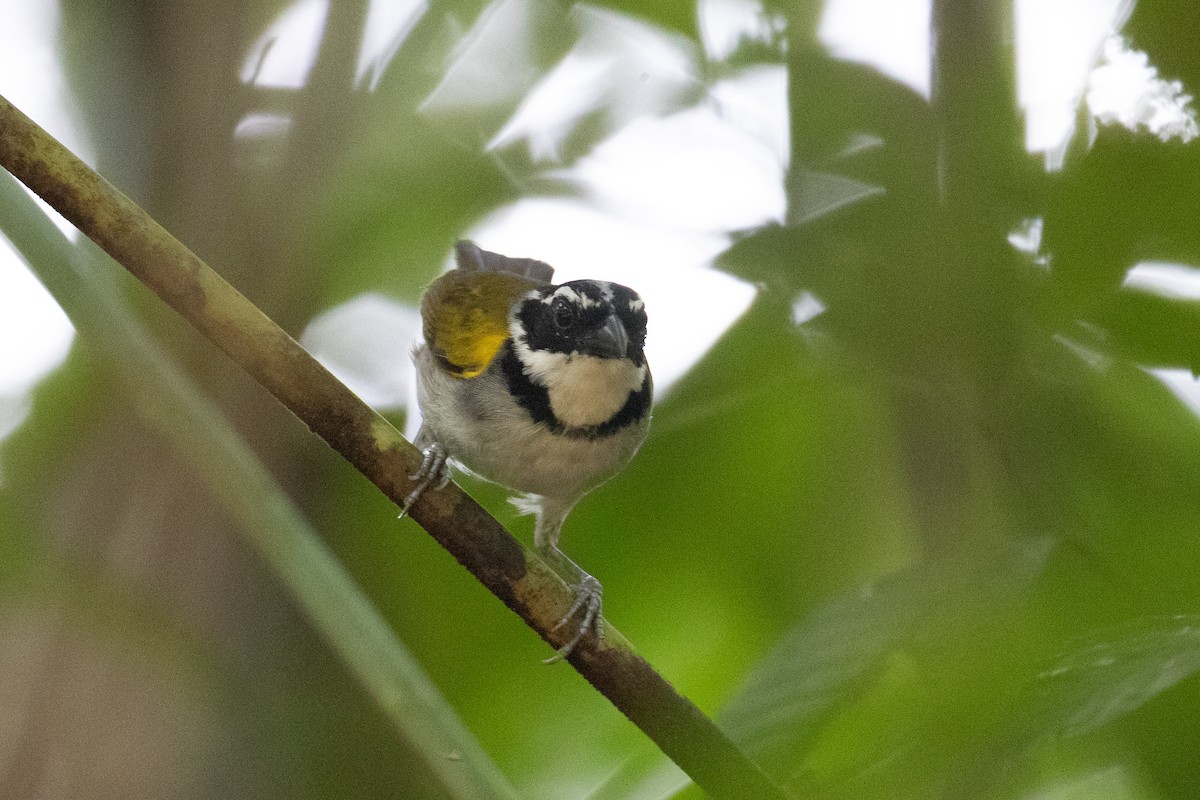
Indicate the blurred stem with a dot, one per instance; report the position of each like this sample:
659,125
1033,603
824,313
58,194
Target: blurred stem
375,448
982,175
168,399
980,139
974,99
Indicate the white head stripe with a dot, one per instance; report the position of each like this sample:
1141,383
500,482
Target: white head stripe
586,301
565,292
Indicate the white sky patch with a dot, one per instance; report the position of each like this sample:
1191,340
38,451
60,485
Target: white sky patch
689,171
1027,237
365,343
388,24
1059,59
495,63
1057,45
548,113
806,307
35,334
1177,281
1183,384
628,68
754,102
1126,90
285,53
32,79
892,37
725,24
35,337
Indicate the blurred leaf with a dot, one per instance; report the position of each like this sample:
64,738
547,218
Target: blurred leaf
678,16
1168,31
1153,330
856,646
1115,672
1129,199
493,68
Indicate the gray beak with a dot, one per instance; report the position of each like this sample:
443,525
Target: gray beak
607,341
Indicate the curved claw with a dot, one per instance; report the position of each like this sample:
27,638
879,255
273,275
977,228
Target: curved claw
588,597
434,469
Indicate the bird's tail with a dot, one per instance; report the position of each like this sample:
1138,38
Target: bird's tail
471,256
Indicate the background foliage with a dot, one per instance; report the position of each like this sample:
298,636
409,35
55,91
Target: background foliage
939,541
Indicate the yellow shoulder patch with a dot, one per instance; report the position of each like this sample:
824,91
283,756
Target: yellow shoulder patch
465,316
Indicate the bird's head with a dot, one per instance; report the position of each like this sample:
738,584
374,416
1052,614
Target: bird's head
583,341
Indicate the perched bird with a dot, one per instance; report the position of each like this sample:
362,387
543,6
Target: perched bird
541,388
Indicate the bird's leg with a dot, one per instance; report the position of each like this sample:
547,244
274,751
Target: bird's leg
434,470
588,591
588,597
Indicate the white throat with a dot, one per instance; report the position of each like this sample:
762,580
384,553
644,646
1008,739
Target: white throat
583,390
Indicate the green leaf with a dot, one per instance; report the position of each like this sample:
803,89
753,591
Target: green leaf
1153,330
857,648
1113,672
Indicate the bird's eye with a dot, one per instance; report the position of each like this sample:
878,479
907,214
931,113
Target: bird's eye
563,313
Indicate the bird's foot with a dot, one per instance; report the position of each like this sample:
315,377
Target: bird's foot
587,600
434,471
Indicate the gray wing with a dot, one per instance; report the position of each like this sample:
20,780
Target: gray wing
471,257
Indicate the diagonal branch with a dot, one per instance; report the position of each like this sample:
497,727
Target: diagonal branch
511,572
174,406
